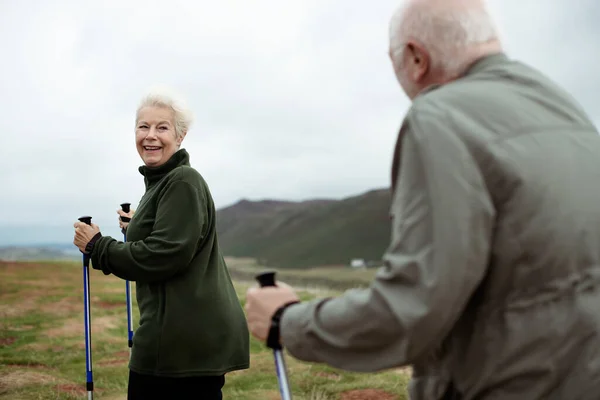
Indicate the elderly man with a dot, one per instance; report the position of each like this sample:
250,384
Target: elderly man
491,283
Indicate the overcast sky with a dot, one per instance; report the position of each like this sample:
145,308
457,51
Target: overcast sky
293,99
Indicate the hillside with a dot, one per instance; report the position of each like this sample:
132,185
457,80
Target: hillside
308,233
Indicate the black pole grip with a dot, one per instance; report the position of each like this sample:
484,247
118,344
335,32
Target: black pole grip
126,208
86,219
266,279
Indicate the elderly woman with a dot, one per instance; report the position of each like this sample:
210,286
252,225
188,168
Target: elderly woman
192,328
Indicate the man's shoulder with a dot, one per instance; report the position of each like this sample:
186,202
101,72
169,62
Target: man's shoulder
494,85
451,108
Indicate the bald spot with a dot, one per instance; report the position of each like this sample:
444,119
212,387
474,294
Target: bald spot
409,7
438,5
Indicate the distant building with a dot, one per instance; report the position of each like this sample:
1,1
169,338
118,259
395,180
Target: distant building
358,263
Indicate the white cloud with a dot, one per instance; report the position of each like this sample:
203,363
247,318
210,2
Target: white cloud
293,99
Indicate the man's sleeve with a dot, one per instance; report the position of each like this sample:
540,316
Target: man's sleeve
441,233
168,249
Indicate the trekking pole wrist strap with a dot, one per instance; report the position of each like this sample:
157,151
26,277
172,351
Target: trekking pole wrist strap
89,247
274,331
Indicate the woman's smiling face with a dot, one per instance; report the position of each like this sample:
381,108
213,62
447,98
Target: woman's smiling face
155,136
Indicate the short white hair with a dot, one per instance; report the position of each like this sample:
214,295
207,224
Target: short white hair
162,96
445,32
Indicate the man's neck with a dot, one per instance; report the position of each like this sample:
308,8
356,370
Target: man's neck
479,52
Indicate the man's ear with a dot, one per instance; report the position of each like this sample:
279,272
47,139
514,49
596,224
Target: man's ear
413,52
420,60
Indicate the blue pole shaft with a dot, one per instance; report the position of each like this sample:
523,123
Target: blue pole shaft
129,316
88,328
284,385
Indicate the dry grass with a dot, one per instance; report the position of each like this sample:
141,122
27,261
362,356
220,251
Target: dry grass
18,378
42,348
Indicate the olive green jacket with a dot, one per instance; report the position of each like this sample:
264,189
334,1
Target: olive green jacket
191,321
491,283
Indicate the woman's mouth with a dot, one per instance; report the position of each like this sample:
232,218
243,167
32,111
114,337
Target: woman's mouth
152,148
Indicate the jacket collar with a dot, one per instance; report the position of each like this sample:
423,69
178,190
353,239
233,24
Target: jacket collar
485,62
155,174
476,67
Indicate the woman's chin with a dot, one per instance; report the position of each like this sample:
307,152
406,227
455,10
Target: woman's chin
152,161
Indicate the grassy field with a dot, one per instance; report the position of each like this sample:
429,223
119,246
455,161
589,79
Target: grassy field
334,278
42,342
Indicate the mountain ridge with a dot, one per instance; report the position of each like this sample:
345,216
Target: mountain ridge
282,233
313,232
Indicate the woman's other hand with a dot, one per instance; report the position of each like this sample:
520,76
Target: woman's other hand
123,225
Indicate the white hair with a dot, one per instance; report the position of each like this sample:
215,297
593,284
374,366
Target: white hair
446,32
160,96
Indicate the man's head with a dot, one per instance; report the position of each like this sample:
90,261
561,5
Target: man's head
435,41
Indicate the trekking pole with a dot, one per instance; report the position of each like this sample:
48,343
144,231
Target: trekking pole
86,314
268,279
126,208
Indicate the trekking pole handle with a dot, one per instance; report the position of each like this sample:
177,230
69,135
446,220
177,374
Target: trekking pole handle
86,219
126,208
266,279
86,257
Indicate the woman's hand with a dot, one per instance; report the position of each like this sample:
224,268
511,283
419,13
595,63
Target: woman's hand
123,225
84,233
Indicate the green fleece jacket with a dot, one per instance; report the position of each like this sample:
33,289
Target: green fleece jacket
191,321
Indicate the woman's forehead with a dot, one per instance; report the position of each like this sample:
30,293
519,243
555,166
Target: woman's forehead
155,114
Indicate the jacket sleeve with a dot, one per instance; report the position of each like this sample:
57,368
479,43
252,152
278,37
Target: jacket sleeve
168,249
438,254
431,381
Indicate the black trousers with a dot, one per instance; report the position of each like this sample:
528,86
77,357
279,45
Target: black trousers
148,387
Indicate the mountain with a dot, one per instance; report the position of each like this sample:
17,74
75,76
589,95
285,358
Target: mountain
290,234
307,233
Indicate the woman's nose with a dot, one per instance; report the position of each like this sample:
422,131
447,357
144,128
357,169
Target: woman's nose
151,132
